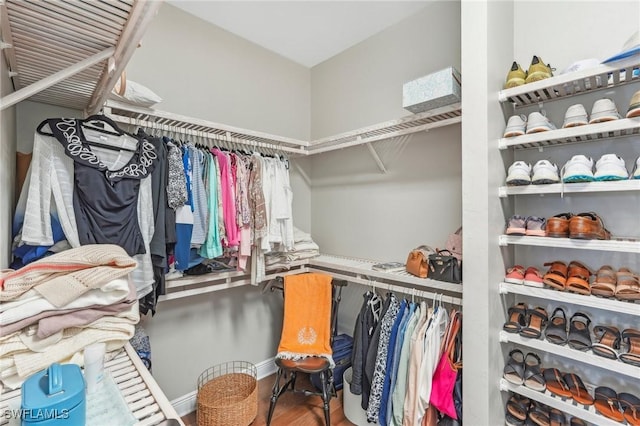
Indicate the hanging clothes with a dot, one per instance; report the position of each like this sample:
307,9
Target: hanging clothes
200,204
212,246
382,414
53,177
409,311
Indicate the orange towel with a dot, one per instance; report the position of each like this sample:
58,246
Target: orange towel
306,329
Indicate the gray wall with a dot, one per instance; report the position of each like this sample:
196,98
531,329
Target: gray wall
356,210
8,162
203,71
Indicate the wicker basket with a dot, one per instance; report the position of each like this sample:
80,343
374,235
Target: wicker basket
228,395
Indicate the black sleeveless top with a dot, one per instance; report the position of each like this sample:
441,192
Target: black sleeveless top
105,202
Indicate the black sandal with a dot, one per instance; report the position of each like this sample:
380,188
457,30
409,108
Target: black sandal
607,341
579,336
631,408
532,375
536,320
557,418
513,371
556,331
517,410
539,414
517,314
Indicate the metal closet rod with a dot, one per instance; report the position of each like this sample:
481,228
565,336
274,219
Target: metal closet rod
226,138
411,291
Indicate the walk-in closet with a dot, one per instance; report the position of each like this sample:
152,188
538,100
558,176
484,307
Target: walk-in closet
285,168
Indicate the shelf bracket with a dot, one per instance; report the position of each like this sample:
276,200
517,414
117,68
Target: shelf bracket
376,157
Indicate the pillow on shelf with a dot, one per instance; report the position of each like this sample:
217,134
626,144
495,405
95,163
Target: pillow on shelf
133,93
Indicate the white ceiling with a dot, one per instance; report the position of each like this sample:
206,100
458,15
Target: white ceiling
307,32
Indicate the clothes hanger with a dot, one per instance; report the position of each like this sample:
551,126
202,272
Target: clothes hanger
102,124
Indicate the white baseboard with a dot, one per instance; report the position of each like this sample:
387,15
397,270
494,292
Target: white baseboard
186,404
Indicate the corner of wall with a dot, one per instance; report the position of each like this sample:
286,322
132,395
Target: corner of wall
7,171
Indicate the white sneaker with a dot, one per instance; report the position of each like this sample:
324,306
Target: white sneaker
611,167
576,115
636,170
515,126
539,123
604,110
519,174
578,169
544,172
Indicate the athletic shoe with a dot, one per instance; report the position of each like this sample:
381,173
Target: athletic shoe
515,77
634,105
544,172
515,275
516,225
539,123
611,167
538,70
604,110
536,226
533,277
519,174
578,169
576,115
636,170
515,126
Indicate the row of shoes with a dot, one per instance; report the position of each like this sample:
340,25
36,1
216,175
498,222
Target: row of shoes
537,71
522,411
619,407
575,277
583,226
608,341
576,115
580,168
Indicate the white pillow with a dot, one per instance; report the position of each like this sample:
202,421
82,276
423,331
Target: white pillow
133,93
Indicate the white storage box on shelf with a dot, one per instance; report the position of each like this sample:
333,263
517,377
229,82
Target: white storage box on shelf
432,91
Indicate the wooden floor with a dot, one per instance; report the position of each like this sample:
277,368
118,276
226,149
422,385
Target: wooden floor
292,409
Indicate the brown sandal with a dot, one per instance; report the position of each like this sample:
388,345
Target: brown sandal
605,283
556,276
578,278
628,287
631,338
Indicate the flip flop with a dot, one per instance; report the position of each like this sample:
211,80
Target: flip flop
605,282
631,338
556,331
536,320
607,341
579,391
579,336
533,378
555,382
556,276
513,371
517,314
606,403
631,408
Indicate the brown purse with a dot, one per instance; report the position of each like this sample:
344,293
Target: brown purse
417,261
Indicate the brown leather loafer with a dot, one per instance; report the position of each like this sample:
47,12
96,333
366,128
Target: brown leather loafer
558,225
588,226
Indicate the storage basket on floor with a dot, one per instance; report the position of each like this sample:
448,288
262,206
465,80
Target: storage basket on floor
228,395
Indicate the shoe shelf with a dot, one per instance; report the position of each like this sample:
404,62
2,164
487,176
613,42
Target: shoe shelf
604,76
566,352
617,245
567,405
359,270
623,127
600,303
571,188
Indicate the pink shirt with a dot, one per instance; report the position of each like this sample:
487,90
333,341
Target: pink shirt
228,199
